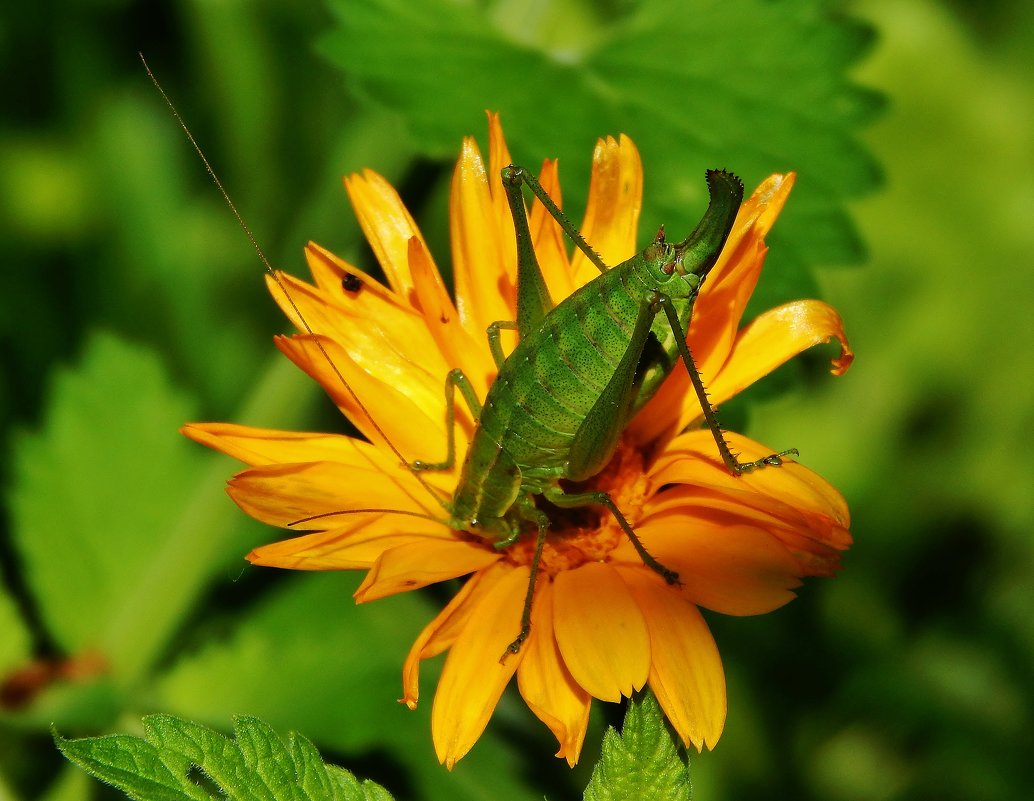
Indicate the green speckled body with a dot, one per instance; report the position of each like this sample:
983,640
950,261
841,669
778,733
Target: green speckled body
558,406
557,374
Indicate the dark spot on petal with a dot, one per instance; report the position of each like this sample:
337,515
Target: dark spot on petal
351,283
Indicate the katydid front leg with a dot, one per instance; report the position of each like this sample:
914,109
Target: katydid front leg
735,466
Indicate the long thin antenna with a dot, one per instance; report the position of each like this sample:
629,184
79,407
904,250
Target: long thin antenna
405,512
279,282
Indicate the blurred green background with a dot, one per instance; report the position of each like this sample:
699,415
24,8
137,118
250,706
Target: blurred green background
133,303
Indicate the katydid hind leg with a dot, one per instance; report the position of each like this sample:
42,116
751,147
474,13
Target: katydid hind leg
597,437
533,300
734,466
516,175
454,379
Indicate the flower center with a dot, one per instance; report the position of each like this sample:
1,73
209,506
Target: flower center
588,533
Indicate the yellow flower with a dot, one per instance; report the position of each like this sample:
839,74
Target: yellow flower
603,624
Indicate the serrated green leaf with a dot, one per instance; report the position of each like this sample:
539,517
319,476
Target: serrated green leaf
644,761
256,764
753,86
347,788
129,763
313,776
182,745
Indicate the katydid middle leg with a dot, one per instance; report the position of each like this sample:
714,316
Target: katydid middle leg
454,379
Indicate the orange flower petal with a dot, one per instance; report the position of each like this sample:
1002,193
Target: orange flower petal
419,563
729,285
792,489
387,341
685,669
600,631
262,446
735,570
282,494
546,685
499,157
549,239
717,313
482,260
814,541
612,212
441,319
441,633
774,338
329,271
390,414
355,547
474,677
387,225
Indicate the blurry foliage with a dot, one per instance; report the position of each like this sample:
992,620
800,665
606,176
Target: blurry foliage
132,303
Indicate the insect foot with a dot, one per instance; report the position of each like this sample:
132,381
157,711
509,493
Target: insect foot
772,460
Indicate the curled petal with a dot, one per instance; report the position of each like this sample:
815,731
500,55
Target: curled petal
546,685
814,541
792,490
441,633
418,563
474,675
774,338
685,669
600,631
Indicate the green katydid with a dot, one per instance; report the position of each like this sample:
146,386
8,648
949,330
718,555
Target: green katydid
580,371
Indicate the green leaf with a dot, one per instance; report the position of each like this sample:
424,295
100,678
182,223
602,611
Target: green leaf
753,86
93,491
183,761
119,521
644,761
346,788
15,643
